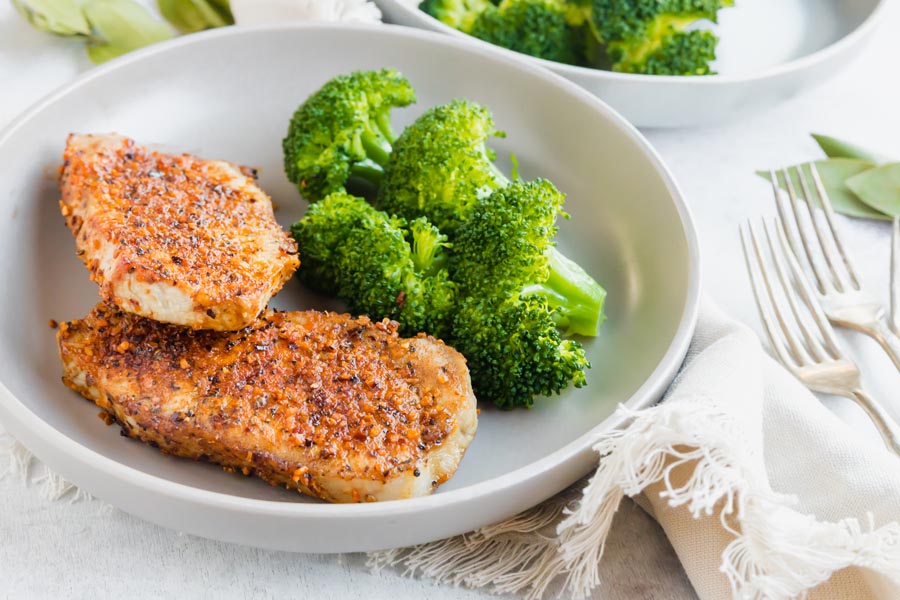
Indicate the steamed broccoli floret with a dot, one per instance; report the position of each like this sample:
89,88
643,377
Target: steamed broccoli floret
500,292
617,20
379,265
514,350
538,28
441,169
343,132
641,36
518,290
648,36
681,53
458,14
515,289
441,164
506,249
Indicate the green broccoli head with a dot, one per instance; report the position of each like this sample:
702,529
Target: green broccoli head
505,241
678,53
617,20
649,36
516,292
642,36
343,131
441,165
506,249
514,350
458,14
539,28
376,263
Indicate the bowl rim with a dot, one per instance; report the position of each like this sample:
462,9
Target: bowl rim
651,390
786,68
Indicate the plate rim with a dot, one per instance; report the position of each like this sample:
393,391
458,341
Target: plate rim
649,392
800,63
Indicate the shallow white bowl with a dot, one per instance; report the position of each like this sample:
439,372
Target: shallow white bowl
229,94
770,50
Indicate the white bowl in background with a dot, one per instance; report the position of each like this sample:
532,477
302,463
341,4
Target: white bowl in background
770,50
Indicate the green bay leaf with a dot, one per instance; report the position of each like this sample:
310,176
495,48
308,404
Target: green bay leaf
836,148
61,17
189,16
879,188
834,172
120,26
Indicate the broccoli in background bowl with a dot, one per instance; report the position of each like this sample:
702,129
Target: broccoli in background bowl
655,37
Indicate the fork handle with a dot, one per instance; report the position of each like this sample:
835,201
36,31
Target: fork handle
886,425
889,340
882,333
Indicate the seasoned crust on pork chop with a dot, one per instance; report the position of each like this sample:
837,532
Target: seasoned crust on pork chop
173,237
337,407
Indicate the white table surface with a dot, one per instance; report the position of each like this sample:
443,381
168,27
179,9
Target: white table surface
86,550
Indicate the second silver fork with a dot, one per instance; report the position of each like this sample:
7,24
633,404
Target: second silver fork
840,290
799,334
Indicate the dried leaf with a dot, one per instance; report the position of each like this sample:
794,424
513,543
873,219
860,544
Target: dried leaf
835,148
879,188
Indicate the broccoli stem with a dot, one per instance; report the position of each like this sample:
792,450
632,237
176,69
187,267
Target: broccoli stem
369,171
576,296
383,121
377,147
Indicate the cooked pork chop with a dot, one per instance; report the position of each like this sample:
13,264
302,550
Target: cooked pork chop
174,238
337,407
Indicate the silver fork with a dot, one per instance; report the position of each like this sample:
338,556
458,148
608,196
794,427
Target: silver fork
842,295
811,353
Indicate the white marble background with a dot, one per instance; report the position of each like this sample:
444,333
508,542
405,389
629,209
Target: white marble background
85,550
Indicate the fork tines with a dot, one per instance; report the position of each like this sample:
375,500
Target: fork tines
797,328
831,265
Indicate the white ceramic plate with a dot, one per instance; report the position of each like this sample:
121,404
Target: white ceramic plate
229,94
770,50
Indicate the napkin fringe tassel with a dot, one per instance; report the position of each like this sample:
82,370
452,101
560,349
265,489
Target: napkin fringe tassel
777,553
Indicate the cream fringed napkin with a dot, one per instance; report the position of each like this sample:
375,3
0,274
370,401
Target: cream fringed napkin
763,493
